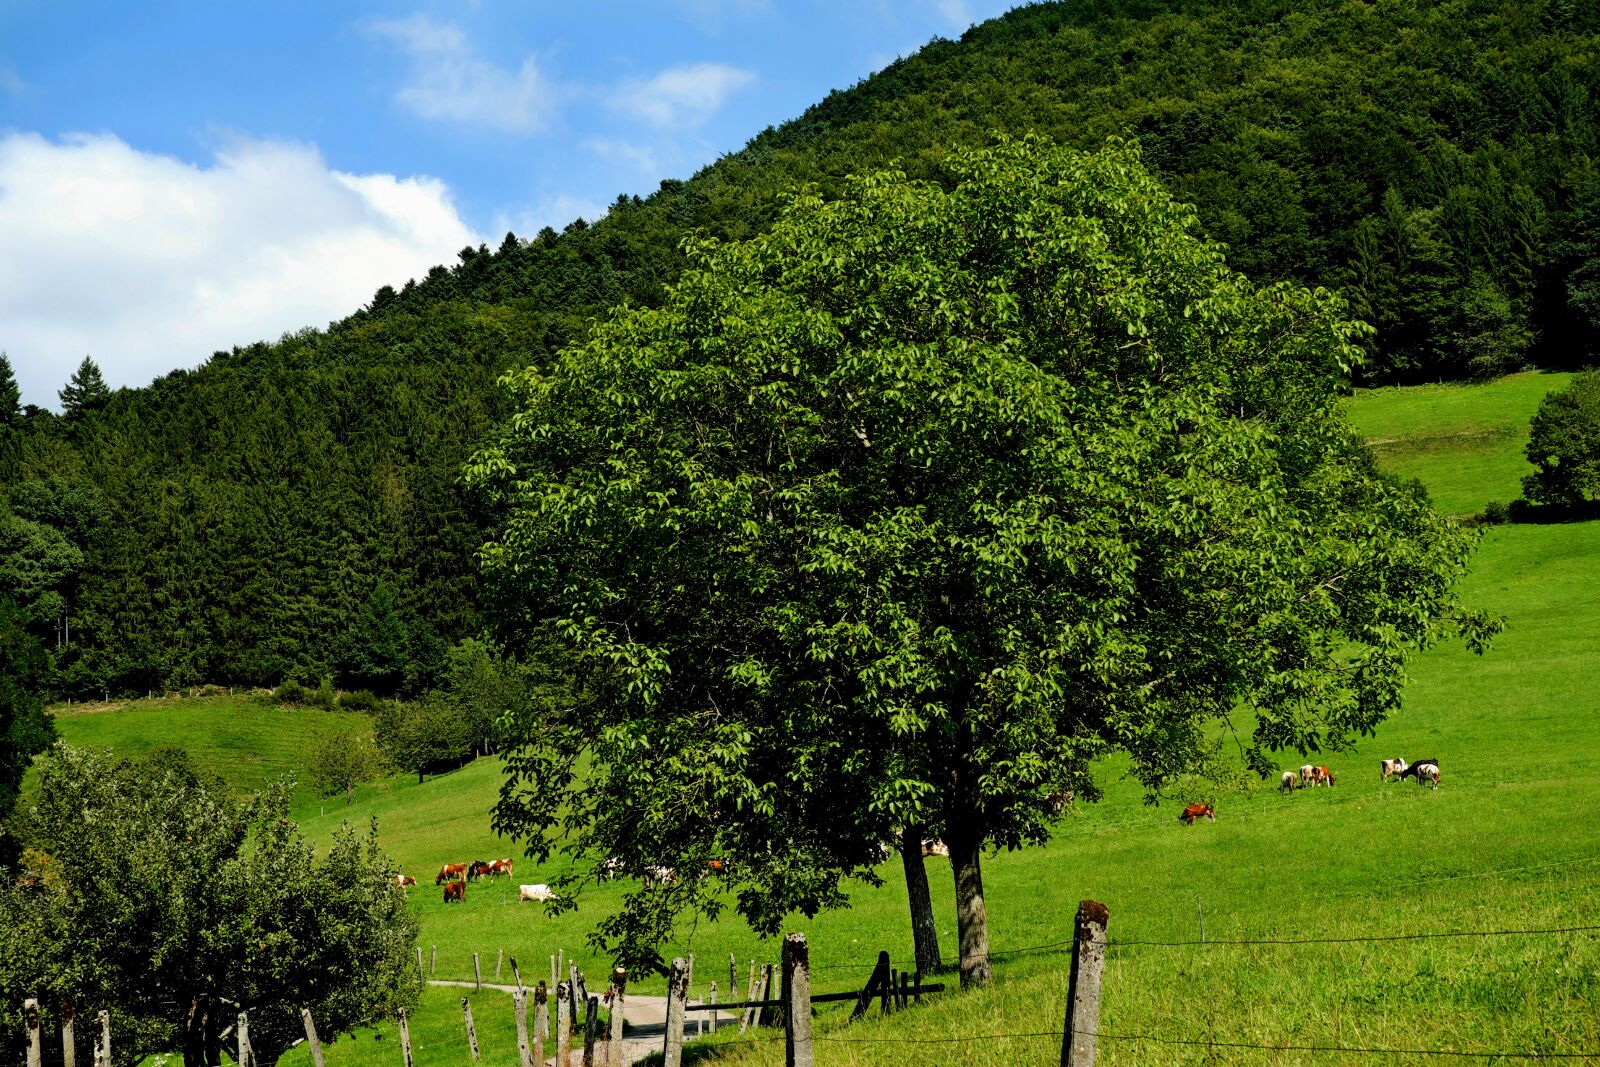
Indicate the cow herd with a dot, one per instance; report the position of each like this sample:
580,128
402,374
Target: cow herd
1310,776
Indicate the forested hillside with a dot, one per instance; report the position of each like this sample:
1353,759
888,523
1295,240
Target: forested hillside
294,510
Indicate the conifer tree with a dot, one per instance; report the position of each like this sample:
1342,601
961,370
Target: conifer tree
10,395
85,391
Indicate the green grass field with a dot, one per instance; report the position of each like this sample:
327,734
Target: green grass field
1511,840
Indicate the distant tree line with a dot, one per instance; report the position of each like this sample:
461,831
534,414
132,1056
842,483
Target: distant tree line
294,509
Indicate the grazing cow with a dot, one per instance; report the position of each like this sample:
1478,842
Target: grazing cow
1195,811
1322,776
451,872
664,875
535,892
609,868
455,891
1427,771
1308,775
477,869
935,847
1415,770
1056,803
1391,767
498,868
1288,783
403,880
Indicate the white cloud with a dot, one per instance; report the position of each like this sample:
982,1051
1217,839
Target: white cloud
148,263
680,96
449,81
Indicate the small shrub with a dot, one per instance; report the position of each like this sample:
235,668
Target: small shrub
361,700
290,692
1496,513
322,696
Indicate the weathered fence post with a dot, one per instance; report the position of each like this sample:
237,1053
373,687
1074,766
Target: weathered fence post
1083,988
764,992
472,1031
561,969
500,957
796,1001
880,974
619,987
886,1001
69,1044
519,1005
733,976
591,1029
580,990
422,975
30,1017
247,1055
711,999
552,972
103,1046
433,961
677,999
563,1024
516,973
311,1037
405,1038
541,1017
748,1013
477,973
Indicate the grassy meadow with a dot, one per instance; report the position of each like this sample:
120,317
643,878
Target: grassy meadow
1510,841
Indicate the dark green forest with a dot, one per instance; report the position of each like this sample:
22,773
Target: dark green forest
294,510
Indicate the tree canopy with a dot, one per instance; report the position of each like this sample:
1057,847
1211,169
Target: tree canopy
85,391
173,906
26,729
1564,445
908,510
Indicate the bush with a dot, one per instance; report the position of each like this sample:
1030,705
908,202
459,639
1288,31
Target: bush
1495,513
361,700
1564,445
322,696
290,692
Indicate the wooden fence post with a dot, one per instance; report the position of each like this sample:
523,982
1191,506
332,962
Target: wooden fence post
563,1024
477,973
733,976
103,1046
519,1005
422,975
580,990
241,1032
405,1038
30,1017
433,961
500,957
677,998
712,1000
561,969
516,972
311,1037
472,1031
796,1001
69,1044
1083,988
541,1019
886,1001
552,972
591,1029
880,974
619,987
747,1014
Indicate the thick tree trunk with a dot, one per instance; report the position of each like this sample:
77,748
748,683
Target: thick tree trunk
972,922
923,931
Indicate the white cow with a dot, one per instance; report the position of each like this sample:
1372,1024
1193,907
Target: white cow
535,892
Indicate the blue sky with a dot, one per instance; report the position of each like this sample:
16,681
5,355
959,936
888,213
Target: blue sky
177,178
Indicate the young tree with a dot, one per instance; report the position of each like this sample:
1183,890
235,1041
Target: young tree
85,391
10,395
340,763
177,906
905,512
1564,445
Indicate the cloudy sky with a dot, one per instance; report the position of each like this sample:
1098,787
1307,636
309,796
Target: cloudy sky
177,178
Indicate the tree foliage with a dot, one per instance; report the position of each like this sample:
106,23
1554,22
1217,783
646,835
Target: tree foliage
174,905
85,391
26,729
906,511
1564,445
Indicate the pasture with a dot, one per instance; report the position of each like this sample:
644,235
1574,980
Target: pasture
1510,841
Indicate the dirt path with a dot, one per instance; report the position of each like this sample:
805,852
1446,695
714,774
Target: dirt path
644,1021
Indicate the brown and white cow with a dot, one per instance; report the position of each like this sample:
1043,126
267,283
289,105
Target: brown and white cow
401,881
1321,776
499,868
1196,811
455,891
1289,782
451,872
1391,768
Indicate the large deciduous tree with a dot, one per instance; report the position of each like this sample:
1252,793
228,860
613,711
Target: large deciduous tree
905,512
26,729
173,906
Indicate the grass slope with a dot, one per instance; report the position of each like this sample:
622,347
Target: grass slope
1509,841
